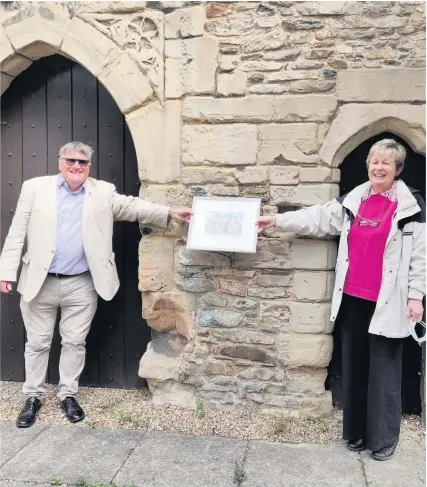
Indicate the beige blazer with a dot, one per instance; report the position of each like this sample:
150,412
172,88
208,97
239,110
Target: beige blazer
34,223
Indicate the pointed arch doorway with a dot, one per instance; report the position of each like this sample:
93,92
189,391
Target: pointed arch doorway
52,102
353,173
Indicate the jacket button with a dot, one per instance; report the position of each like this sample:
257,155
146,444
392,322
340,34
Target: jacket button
340,289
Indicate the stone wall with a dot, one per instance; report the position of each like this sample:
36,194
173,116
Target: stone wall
242,99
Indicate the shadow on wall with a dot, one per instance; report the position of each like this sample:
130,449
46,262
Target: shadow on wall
353,173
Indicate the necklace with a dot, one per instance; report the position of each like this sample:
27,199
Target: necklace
366,222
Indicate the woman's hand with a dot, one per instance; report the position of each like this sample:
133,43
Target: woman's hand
264,222
180,214
414,310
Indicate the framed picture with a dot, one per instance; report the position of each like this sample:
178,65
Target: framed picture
224,224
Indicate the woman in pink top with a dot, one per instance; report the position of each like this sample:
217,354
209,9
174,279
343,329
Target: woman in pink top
379,287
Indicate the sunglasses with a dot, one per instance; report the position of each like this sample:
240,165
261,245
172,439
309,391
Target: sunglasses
80,162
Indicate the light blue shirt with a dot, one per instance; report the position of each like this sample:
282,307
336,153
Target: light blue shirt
69,257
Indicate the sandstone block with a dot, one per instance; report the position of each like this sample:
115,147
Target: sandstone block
299,350
258,373
172,24
190,66
313,254
251,175
282,55
156,132
220,190
173,393
315,174
6,47
212,299
284,175
245,304
297,108
313,286
155,264
327,8
235,25
267,293
272,280
310,317
219,145
192,21
275,315
243,336
317,407
246,352
206,175
232,84
6,80
229,62
308,86
381,85
304,194
198,258
271,254
15,64
173,195
195,284
231,286
306,380
290,76
275,146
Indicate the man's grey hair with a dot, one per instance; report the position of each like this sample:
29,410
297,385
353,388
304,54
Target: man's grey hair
84,149
389,147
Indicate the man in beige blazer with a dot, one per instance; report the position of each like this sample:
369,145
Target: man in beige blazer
66,222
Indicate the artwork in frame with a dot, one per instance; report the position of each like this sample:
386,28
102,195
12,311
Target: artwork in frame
224,224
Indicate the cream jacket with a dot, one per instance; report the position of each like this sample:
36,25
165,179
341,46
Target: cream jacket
404,255
34,224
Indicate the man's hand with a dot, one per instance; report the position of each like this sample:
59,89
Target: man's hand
264,222
414,310
5,287
180,214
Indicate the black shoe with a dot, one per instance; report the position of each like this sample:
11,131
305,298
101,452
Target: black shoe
27,416
385,453
72,409
356,445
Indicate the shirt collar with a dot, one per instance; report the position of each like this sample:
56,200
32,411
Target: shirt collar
61,182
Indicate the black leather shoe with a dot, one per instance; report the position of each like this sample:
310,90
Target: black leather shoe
356,445
27,416
72,409
385,453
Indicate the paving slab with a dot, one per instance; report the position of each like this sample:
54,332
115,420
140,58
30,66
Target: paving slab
302,465
13,483
68,452
12,439
406,468
171,460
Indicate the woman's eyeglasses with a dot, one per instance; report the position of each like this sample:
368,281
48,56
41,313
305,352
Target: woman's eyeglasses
80,162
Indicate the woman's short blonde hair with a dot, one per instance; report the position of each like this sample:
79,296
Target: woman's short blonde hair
391,148
84,149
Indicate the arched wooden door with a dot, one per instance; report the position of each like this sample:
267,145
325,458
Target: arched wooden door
53,102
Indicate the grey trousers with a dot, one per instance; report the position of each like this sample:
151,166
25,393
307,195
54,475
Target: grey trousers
77,299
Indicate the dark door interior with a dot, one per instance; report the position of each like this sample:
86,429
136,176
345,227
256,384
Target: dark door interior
51,103
353,173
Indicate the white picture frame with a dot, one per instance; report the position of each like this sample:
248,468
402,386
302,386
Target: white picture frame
224,224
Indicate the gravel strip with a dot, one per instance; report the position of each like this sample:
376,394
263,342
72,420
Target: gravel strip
132,409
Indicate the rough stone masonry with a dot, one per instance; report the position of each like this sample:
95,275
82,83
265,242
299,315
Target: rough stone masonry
251,99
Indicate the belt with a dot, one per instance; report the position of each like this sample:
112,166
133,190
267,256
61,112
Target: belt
63,276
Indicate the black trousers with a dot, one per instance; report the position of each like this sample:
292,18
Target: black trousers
372,377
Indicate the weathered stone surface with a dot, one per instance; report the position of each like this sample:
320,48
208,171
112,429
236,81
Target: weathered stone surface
267,293
206,175
156,131
15,64
243,336
6,80
231,286
192,21
315,175
302,24
47,23
212,299
172,24
290,76
259,373
313,254
260,66
313,286
220,190
195,258
155,264
275,315
226,271
163,358
190,66
327,8
219,145
297,108
310,317
232,26
265,40
297,350
232,84
308,86
273,280
173,393
306,380
304,194
275,147
251,175
245,303
282,55
6,47
271,254
195,284
284,175
228,63
246,352
219,317
357,122
317,407
173,195
379,85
